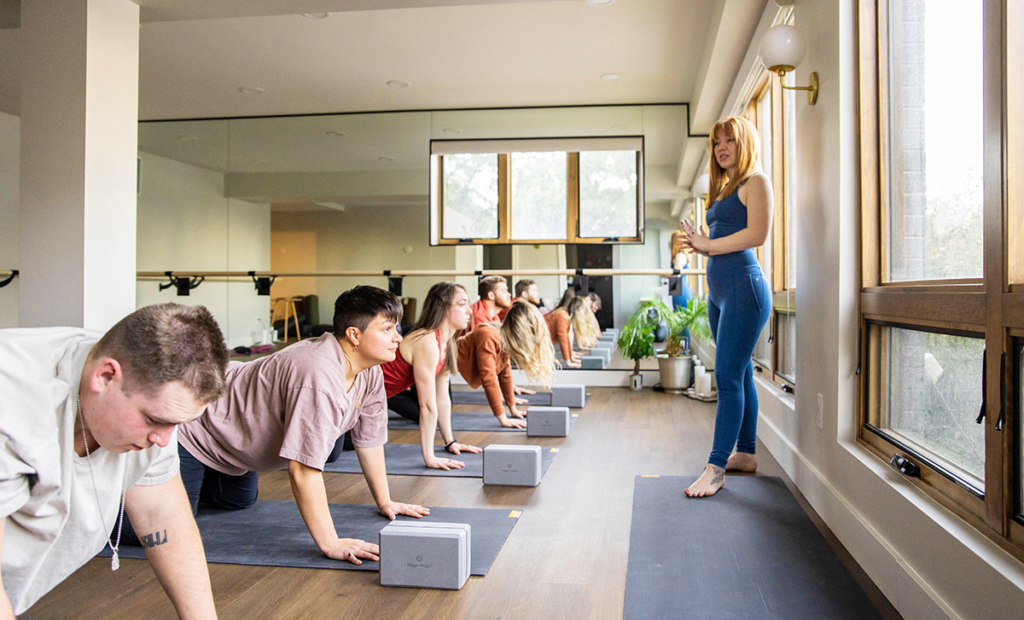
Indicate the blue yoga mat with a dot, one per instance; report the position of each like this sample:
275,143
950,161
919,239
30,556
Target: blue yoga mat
748,552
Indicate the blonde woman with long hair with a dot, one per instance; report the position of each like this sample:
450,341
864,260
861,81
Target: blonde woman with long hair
740,298
425,359
574,320
486,353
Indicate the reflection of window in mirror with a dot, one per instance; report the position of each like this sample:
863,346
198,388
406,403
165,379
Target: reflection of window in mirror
539,195
470,193
608,194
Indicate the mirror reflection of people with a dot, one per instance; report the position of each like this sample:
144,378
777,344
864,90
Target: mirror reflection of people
740,298
287,411
486,353
494,299
526,290
575,321
425,359
87,422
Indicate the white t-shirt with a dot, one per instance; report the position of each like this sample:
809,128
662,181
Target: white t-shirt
53,523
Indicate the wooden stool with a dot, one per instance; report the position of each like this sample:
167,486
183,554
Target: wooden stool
289,306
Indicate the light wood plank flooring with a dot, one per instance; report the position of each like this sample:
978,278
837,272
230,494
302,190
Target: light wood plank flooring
566,558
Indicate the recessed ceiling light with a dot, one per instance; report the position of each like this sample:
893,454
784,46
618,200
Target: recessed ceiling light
611,77
188,138
335,134
316,15
386,158
452,130
397,84
250,90
599,2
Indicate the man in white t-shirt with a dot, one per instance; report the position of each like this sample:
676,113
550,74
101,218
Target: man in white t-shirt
87,436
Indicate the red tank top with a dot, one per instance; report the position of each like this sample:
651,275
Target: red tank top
398,375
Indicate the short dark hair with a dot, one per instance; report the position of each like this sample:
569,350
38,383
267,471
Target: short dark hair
488,284
358,306
522,286
168,342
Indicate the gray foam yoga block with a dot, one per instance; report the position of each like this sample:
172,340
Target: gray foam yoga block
605,354
568,396
547,422
425,554
512,465
592,362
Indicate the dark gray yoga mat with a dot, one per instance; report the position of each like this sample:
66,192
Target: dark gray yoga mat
482,421
272,533
407,460
479,397
748,552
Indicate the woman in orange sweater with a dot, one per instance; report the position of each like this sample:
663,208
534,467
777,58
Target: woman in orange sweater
485,356
577,320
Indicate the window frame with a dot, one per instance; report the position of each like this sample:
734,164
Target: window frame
505,206
783,298
989,306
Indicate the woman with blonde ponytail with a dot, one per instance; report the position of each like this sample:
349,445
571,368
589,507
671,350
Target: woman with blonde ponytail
576,319
486,353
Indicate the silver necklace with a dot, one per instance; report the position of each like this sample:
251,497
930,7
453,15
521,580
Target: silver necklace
115,562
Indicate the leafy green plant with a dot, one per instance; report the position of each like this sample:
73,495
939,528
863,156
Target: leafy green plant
636,337
694,317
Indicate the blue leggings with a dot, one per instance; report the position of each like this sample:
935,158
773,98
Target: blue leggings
738,308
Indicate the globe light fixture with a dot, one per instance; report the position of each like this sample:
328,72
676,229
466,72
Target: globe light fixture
781,49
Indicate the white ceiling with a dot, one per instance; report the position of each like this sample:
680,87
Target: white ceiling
484,54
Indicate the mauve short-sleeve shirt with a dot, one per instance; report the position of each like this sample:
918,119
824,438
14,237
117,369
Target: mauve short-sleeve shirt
288,406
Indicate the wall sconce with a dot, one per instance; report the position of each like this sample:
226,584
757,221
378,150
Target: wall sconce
781,50
701,186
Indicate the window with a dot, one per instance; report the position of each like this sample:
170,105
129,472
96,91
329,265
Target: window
578,190
772,110
941,318
470,196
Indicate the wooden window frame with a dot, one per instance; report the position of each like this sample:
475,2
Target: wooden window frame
992,305
783,298
505,206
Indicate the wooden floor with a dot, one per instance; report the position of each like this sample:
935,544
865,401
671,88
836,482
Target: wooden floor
566,558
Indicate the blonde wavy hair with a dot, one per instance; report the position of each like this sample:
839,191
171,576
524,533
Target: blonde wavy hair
525,336
583,322
748,155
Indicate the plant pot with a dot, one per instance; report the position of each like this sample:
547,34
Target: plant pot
675,373
636,382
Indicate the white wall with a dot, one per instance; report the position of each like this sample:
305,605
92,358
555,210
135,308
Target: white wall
541,257
928,562
10,146
185,223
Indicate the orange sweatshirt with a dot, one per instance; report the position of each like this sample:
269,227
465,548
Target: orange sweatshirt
558,325
483,361
480,315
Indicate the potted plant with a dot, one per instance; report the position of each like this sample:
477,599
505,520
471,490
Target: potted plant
676,363
636,338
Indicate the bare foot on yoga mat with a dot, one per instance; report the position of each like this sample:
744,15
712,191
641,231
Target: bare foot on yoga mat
742,461
709,482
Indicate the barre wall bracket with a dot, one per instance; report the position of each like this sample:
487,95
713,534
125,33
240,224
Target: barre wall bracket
581,283
262,283
183,284
9,279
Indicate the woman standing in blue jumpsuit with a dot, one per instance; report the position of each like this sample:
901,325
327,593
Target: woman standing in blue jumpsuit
740,298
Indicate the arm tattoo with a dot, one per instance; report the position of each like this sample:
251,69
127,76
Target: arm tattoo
153,540
719,474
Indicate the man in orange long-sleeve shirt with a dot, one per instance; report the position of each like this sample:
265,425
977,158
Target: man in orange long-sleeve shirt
494,298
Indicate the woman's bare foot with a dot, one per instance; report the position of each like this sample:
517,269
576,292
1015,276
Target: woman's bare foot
742,461
709,482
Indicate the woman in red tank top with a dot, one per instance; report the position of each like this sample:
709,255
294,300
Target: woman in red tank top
424,361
